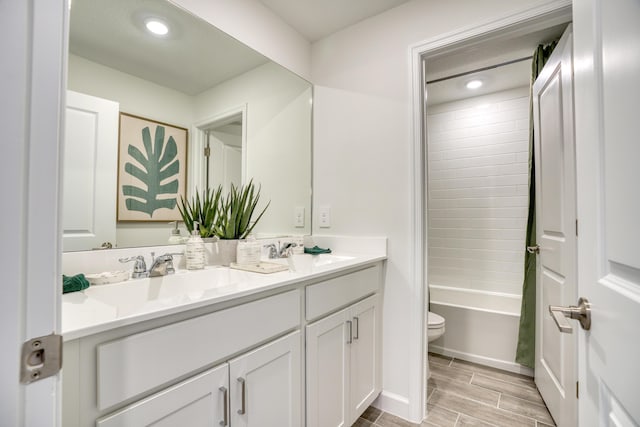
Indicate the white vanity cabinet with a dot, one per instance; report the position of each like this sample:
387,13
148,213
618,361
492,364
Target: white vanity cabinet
343,354
258,389
241,363
129,377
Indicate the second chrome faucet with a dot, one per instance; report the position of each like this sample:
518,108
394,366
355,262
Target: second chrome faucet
160,266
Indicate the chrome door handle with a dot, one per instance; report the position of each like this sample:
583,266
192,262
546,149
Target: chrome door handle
350,332
225,402
533,249
242,409
581,312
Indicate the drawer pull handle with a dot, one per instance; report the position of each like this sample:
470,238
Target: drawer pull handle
225,402
242,409
357,323
350,341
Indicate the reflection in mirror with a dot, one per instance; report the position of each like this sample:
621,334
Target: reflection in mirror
223,152
252,117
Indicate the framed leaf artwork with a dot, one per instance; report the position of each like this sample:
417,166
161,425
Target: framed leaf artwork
152,169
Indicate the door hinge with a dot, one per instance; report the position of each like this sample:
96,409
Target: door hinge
41,358
207,151
577,390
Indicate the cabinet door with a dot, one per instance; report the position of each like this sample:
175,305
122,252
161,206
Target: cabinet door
198,401
266,385
364,354
327,371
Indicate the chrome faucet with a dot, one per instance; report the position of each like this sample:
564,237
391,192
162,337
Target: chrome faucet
286,249
139,268
273,250
280,251
162,265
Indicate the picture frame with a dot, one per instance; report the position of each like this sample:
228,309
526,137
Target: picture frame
152,169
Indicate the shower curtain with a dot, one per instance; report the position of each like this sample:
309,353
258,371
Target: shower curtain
526,350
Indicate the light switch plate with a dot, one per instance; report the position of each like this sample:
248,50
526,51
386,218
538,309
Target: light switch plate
298,216
325,216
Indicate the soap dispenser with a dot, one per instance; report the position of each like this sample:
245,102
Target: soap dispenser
176,237
195,249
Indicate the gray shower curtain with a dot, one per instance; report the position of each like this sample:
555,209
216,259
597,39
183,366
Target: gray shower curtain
525,352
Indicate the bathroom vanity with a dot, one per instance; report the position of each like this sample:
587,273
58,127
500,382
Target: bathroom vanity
226,347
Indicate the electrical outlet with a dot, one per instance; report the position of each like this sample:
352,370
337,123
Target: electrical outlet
325,216
298,216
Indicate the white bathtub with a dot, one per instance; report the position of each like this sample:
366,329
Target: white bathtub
480,326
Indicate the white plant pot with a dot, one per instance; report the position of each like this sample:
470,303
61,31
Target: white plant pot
223,252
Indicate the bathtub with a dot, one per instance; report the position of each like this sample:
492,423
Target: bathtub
480,326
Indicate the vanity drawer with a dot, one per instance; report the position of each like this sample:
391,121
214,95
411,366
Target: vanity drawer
335,293
140,362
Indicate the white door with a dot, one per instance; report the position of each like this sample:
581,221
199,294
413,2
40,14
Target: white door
266,385
364,376
556,359
33,50
90,172
198,401
607,92
327,370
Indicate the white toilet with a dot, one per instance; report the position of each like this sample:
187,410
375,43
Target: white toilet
436,326
435,329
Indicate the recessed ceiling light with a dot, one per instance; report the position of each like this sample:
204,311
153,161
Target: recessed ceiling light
157,27
474,84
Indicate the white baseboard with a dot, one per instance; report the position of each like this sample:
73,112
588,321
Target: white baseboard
394,404
487,361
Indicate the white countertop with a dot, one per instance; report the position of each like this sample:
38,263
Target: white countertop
104,307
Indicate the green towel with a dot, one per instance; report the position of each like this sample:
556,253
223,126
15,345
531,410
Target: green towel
74,283
316,250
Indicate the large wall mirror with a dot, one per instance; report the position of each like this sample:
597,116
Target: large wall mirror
246,118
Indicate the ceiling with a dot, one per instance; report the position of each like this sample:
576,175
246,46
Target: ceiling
316,19
194,57
484,55
494,80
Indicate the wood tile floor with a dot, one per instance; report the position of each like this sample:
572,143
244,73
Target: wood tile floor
466,394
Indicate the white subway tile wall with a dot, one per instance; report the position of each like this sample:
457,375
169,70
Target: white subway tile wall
478,191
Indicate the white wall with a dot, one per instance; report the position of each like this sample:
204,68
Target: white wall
135,95
362,154
278,138
252,23
478,153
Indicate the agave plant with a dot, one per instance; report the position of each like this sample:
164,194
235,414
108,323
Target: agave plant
204,210
236,212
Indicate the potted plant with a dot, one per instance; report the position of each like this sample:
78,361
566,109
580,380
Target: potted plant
236,210
205,210
234,219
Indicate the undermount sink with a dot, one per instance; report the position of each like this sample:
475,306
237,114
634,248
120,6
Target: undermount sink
147,294
326,259
319,260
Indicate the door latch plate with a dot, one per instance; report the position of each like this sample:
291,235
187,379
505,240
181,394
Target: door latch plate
41,358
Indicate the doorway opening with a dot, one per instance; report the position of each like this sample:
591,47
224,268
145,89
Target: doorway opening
457,186
222,142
